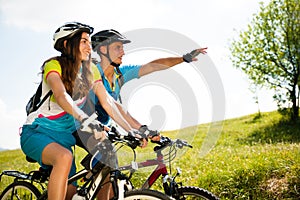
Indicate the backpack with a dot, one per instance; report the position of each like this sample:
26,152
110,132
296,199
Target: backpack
35,101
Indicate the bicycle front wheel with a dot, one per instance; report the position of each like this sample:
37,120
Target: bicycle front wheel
190,192
145,194
20,190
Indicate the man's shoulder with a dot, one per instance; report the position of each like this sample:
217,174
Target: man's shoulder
125,68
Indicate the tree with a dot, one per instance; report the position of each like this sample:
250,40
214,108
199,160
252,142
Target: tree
268,51
254,89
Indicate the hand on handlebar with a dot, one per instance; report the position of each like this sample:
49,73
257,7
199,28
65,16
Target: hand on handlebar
142,137
132,138
164,141
92,125
149,134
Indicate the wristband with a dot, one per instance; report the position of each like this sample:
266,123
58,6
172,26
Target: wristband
189,56
144,130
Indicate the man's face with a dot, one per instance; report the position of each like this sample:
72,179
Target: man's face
116,52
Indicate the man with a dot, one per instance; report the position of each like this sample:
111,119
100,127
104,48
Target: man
109,46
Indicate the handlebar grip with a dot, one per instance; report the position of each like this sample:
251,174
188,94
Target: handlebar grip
165,141
182,143
162,143
114,130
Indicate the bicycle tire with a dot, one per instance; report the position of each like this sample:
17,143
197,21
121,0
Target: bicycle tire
190,192
20,190
145,194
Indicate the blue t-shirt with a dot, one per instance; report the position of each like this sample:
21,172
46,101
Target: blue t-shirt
129,72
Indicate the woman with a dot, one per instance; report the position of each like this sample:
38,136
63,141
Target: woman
47,133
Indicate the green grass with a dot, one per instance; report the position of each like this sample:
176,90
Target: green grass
253,158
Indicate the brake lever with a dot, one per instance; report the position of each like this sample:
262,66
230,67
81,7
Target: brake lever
162,143
181,143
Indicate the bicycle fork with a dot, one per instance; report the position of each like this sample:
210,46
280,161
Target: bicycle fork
119,182
169,183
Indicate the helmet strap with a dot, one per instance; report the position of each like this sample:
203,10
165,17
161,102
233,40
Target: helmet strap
115,64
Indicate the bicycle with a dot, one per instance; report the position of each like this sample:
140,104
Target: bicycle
97,166
170,186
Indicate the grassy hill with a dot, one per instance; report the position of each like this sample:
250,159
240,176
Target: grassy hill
253,158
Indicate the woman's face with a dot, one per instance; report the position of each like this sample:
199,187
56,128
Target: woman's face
85,46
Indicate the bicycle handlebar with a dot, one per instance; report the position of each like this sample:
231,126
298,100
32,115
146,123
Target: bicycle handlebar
133,141
130,139
182,143
166,141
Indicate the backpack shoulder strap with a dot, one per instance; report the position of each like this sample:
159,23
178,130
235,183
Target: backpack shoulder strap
45,98
120,81
121,78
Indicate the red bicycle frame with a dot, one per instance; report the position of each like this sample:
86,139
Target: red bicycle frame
161,169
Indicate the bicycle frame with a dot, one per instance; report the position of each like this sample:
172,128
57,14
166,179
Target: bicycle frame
94,179
161,169
96,184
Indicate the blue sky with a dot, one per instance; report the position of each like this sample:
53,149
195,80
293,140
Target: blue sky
26,29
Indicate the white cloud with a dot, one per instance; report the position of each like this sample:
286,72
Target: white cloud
126,15
47,15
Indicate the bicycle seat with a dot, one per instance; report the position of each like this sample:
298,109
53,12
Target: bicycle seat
42,174
31,160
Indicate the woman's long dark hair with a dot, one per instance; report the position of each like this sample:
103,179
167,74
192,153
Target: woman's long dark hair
70,62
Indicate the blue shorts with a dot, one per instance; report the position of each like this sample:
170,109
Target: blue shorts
35,138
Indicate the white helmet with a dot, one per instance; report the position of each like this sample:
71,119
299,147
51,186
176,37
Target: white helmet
67,31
